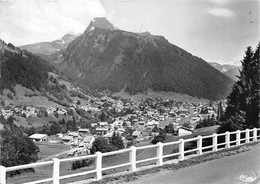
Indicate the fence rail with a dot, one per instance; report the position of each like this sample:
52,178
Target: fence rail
214,144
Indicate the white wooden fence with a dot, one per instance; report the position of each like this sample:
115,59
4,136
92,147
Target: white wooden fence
251,135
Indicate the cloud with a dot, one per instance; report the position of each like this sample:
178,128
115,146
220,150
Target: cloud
110,15
219,1
221,12
45,20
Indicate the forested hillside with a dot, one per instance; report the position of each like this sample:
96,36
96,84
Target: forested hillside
104,57
21,67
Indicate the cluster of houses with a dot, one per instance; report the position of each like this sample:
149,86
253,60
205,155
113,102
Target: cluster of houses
141,120
80,141
94,106
28,111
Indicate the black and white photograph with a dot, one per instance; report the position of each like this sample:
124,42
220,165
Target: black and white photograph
129,91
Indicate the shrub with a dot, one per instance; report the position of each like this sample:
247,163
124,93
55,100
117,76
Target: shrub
169,128
101,144
80,163
9,95
158,138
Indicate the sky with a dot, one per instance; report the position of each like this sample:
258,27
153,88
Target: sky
215,30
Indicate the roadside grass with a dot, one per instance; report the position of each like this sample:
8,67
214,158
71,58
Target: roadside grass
182,164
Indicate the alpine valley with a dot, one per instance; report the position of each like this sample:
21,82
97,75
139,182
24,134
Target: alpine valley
107,58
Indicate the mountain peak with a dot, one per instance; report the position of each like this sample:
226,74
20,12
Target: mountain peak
48,48
101,23
69,36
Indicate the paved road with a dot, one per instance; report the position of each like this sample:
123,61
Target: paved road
238,169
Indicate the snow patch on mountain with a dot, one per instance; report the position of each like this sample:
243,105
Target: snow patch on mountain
92,29
48,48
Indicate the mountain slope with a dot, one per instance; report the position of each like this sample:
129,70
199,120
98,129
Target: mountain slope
229,70
50,47
222,68
21,67
233,73
104,57
26,79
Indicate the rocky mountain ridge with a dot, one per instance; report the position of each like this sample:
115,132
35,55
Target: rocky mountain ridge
48,48
105,57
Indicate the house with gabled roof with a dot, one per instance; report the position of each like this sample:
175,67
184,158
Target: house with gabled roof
184,131
101,130
136,134
39,137
88,140
67,139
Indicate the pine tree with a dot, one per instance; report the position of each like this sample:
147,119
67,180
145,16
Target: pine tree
243,102
220,112
255,90
116,140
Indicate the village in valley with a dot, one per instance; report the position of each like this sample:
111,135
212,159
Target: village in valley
135,122
123,91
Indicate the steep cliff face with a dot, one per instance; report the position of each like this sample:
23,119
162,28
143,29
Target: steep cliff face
104,57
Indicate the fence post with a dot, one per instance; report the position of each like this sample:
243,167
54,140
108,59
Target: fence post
238,137
227,139
56,171
215,142
2,175
160,153
247,135
199,145
132,158
98,165
255,134
181,149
